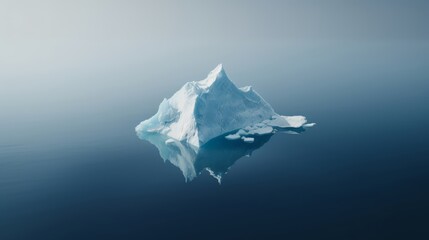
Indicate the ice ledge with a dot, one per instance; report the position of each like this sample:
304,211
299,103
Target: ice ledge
269,126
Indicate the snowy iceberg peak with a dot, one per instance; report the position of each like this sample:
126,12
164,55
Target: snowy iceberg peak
203,110
216,75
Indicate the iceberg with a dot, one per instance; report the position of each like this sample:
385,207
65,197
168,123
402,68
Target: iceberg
203,110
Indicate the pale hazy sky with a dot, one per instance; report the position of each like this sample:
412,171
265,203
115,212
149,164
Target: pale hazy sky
48,31
56,55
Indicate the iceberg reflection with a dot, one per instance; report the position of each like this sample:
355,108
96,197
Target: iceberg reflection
216,156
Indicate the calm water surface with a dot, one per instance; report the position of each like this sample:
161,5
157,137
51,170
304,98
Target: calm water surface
71,166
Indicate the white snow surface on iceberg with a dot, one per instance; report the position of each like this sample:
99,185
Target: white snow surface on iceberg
202,110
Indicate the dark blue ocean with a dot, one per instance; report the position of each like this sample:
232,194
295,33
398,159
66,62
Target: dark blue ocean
72,167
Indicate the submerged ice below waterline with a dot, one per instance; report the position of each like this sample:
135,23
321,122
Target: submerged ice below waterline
216,156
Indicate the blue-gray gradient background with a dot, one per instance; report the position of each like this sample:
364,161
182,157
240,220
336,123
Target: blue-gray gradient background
76,77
